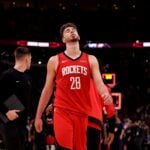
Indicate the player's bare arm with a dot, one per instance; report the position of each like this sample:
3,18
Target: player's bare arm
102,89
46,92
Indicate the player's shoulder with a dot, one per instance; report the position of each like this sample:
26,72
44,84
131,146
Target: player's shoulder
92,57
54,58
7,74
89,55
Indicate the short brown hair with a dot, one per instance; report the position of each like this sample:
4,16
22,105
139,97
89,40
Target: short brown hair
19,52
64,26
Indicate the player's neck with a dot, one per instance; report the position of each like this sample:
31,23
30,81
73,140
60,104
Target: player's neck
73,48
73,53
20,67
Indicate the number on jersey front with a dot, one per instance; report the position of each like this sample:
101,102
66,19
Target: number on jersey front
75,83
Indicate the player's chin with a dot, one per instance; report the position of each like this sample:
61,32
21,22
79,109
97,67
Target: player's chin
75,38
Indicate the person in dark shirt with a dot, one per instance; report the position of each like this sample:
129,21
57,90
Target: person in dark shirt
15,81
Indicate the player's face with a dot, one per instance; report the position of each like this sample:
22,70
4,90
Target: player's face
70,34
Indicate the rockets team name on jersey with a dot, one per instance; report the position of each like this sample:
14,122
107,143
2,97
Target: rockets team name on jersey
77,69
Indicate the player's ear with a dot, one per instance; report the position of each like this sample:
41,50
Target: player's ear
26,59
63,39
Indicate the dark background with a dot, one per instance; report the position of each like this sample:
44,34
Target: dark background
117,22
99,20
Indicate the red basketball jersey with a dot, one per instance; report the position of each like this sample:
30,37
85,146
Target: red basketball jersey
96,113
73,83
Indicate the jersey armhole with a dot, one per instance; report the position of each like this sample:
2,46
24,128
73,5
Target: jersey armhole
58,59
88,59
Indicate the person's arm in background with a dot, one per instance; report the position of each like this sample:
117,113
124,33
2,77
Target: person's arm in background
6,91
111,120
46,92
3,96
111,123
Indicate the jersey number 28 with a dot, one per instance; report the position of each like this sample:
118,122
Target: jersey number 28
75,83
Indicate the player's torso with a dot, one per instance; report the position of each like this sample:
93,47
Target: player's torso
73,81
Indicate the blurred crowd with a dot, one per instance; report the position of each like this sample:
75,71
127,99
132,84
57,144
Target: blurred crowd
131,132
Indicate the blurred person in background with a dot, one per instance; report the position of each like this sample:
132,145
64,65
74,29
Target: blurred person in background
15,81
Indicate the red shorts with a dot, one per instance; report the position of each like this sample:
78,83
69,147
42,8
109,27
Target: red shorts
70,129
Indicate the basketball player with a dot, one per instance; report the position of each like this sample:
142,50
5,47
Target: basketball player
70,71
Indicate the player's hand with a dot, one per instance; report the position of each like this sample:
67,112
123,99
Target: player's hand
12,114
107,98
38,125
49,109
108,141
110,138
